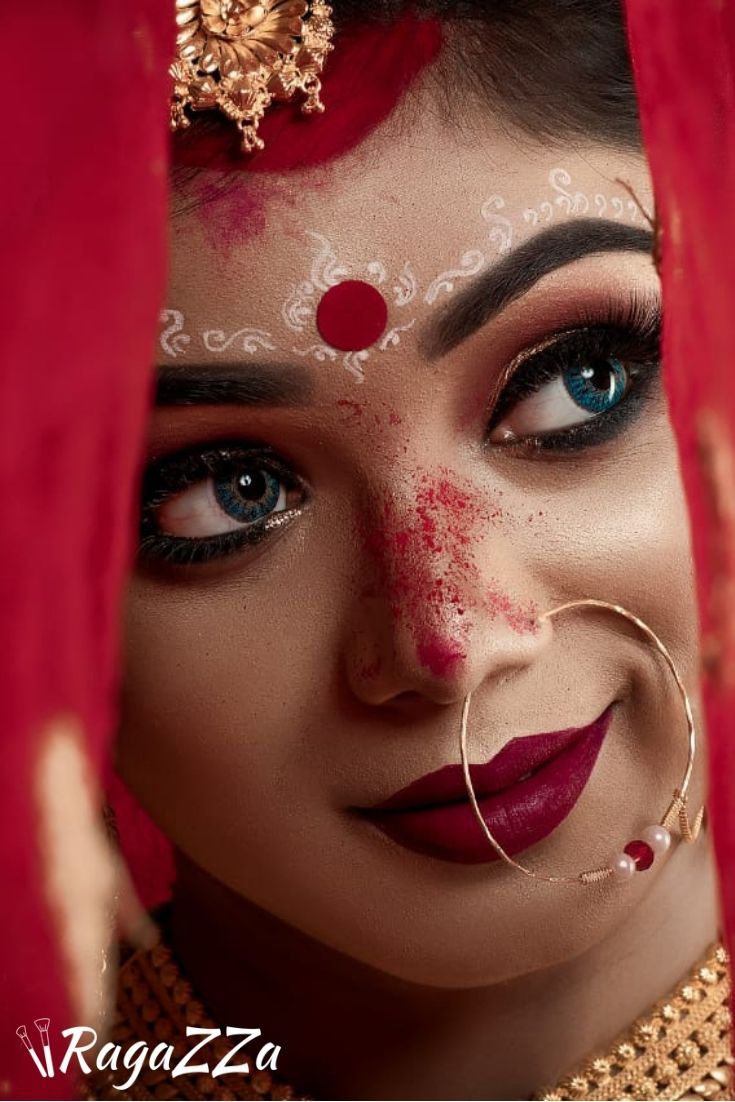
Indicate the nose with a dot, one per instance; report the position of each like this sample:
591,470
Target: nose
446,606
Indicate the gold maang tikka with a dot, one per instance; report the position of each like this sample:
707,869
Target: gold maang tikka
239,56
654,840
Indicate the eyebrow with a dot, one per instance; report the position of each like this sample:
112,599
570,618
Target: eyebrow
246,384
513,276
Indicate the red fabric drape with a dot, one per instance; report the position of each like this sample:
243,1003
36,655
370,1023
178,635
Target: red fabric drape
683,60
83,197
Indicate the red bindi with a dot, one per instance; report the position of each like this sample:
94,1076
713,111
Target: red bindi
352,316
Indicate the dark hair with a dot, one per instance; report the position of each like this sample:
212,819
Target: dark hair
555,68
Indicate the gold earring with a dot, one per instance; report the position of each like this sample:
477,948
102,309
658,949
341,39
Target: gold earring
655,840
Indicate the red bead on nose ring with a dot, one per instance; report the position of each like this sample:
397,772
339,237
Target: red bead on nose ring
352,316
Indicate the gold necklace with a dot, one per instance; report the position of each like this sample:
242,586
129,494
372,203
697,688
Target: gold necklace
679,1051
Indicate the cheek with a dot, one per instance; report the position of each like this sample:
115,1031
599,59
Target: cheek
625,538
220,696
220,662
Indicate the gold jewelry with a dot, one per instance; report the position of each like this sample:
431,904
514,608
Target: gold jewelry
655,840
238,56
679,1050
156,1003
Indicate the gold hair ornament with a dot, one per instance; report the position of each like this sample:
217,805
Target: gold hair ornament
657,838
238,56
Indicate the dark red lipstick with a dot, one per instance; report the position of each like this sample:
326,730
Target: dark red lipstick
524,793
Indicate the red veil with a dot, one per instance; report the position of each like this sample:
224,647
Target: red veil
83,200
683,62
84,206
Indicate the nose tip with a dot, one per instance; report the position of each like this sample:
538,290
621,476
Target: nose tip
440,662
439,655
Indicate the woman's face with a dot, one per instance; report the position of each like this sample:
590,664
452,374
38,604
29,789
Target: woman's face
338,548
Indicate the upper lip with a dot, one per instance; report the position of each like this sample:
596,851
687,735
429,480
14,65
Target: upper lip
518,758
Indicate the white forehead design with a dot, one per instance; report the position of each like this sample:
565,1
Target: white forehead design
400,288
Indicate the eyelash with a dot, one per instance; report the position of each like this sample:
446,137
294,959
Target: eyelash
173,475
630,332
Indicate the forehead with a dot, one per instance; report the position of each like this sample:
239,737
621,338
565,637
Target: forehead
417,211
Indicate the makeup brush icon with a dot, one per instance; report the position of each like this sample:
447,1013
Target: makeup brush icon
23,1034
42,1025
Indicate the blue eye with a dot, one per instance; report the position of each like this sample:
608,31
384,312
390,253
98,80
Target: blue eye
203,505
596,386
582,388
250,496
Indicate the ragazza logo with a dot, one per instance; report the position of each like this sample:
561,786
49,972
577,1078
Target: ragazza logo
80,1040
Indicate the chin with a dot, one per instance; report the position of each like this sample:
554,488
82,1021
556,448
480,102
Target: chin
459,939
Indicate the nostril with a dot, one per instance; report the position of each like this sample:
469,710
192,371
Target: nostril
413,706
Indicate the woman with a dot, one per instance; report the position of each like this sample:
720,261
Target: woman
350,527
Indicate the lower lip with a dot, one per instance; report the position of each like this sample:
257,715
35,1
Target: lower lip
519,816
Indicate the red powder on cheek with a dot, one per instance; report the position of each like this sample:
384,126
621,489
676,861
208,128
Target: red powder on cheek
521,618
